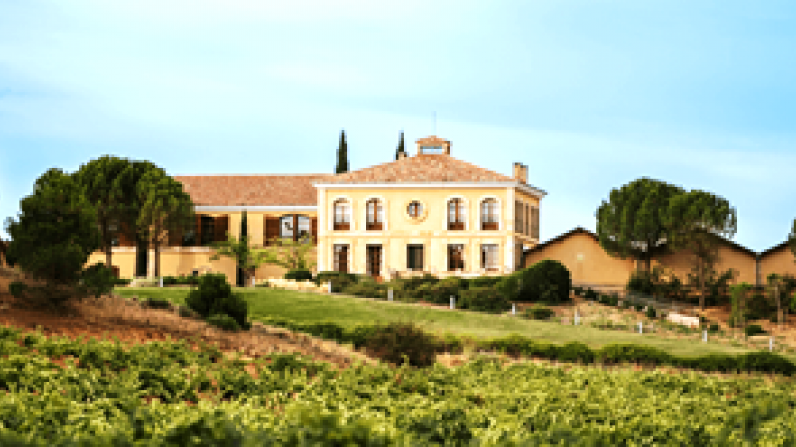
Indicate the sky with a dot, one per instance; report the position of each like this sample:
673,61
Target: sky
591,95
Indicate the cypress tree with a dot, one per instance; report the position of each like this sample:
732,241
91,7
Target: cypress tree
400,149
243,236
342,155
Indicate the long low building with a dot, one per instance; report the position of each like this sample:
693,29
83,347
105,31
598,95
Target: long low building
580,251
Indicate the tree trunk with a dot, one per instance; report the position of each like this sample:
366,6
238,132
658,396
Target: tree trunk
648,263
156,246
108,251
779,304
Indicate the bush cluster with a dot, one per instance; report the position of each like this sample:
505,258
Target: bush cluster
399,342
484,299
299,275
547,281
214,296
754,329
224,322
538,312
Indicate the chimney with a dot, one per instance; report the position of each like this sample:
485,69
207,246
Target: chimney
521,173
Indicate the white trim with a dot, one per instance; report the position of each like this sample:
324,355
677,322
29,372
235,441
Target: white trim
247,208
536,192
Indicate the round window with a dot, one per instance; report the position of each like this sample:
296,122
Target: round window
415,209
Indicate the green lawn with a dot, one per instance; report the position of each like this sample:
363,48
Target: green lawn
300,306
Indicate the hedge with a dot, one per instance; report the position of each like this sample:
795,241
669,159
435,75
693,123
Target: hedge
519,346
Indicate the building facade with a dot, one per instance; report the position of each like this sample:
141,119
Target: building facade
427,213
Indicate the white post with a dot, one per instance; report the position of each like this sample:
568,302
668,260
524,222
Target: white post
453,302
389,294
330,287
640,328
161,281
705,336
513,309
770,344
252,281
577,317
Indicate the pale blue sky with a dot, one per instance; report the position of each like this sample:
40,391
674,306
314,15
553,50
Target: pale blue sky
589,94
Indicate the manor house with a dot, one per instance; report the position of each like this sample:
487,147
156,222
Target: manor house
426,213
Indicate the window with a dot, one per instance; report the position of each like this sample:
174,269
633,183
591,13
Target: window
535,222
341,258
294,227
207,230
342,215
456,214
189,235
489,257
431,149
414,257
415,209
374,260
375,215
455,257
519,224
490,214
527,219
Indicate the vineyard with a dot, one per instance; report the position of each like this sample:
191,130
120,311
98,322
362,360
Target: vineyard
63,391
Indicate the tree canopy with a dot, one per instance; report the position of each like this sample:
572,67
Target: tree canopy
56,230
792,238
633,221
103,185
165,208
695,221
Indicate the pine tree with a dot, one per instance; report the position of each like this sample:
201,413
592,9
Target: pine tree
342,155
400,149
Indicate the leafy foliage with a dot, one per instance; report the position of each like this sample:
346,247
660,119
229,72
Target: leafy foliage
98,279
299,275
537,312
55,233
546,281
396,342
214,296
484,299
224,322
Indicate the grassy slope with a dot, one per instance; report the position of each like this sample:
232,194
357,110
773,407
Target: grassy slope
315,307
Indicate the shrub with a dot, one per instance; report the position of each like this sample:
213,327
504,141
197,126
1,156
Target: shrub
753,329
767,362
157,303
187,312
546,281
577,290
590,294
539,313
576,352
299,275
214,296
339,280
17,289
97,280
122,281
620,353
484,299
394,341
642,281
224,322
713,328
638,307
482,281
440,292
651,312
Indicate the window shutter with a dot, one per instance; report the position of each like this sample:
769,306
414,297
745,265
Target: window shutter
221,226
271,229
314,229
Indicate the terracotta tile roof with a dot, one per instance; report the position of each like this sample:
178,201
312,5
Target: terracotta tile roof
253,189
421,169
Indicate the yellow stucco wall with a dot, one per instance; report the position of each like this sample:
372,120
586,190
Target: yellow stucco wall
430,229
587,262
175,261
683,262
779,261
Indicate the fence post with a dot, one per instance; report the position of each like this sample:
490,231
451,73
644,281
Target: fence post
513,309
705,336
640,328
252,281
389,294
453,302
770,344
330,287
576,320
161,281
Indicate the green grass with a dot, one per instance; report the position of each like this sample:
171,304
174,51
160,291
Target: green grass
309,307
